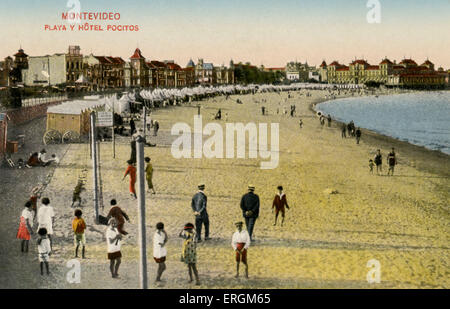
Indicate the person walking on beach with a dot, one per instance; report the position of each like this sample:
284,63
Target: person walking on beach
240,243
358,135
189,251
343,131
155,128
159,249
46,218
44,249
279,203
198,205
114,243
250,209
329,120
392,161
25,227
117,213
79,238
149,175
131,171
378,162
132,126
300,123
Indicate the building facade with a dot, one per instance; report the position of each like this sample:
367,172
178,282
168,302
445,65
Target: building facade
407,73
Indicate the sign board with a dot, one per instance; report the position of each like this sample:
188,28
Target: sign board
104,119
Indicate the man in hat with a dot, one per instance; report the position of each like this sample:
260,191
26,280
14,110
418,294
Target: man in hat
240,243
198,205
250,209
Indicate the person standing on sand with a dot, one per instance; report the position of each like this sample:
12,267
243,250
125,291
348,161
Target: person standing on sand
79,238
117,213
358,135
329,120
149,175
159,249
279,202
44,249
343,131
392,161
250,209
189,251
198,205
371,165
46,218
25,227
132,127
113,243
378,162
240,243
300,123
131,171
155,128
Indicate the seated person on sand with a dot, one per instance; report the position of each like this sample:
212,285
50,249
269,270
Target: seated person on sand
33,160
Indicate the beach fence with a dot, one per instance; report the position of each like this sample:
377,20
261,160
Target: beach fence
43,100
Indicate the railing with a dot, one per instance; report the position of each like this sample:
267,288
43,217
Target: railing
43,100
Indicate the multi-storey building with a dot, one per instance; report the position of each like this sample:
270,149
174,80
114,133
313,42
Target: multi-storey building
296,71
406,73
104,72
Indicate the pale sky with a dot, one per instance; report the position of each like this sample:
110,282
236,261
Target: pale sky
260,31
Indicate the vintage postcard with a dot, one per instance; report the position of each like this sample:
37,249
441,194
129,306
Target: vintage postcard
292,144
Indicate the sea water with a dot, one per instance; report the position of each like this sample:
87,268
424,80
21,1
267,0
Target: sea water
421,118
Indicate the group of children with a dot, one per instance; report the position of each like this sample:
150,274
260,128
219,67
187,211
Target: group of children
45,220
115,231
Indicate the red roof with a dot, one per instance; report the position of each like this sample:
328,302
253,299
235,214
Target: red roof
428,62
344,68
334,63
360,62
174,66
373,67
397,67
137,54
20,53
408,61
324,64
157,64
386,61
116,60
103,59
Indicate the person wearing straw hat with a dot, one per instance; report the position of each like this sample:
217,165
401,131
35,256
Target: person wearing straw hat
250,209
240,243
198,205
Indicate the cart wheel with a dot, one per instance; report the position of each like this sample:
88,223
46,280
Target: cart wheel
52,137
71,137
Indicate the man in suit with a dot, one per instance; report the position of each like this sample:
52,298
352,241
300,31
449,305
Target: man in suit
250,209
201,215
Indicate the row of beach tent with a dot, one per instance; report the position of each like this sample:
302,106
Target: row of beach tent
159,97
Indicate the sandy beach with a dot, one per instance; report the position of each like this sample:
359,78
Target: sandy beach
327,240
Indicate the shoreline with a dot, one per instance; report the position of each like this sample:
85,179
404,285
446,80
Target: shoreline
437,163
